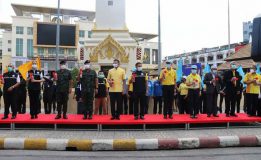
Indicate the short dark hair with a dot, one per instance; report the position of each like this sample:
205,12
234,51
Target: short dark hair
62,62
116,60
87,62
137,64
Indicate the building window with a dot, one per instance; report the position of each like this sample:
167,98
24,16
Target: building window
1,52
155,56
30,49
81,42
9,50
30,30
245,32
51,52
61,51
40,51
175,62
220,56
19,30
194,60
19,47
110,3
81,34
202,59
9,41
210,58
71,52
89,34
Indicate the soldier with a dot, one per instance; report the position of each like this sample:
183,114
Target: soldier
21,96
11,81
34,78
89,82
63,88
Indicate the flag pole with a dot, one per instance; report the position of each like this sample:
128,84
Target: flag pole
228,12
57,36
159,39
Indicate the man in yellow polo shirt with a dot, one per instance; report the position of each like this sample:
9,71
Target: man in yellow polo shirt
116,79
168,81
193,82
252,79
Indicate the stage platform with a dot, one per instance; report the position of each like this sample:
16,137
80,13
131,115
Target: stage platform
101,121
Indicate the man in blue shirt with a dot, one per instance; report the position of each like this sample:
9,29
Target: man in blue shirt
157,96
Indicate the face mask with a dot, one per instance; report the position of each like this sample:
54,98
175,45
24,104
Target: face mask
87,66
139,68
34,66
101,76
63,66
115,65
252,71
233,66
194,71
168,66
10,69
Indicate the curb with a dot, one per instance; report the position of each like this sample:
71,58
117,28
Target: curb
128,144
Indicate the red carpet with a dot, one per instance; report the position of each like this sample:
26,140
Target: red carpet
128,119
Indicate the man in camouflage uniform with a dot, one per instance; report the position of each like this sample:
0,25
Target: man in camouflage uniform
89,82
64,87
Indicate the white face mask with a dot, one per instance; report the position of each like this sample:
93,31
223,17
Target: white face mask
87,66
252,71
34,66
115,65
63,66
139,68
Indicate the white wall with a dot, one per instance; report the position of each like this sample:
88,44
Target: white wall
110,17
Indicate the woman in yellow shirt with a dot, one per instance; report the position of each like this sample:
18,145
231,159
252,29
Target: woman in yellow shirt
193,82
252,80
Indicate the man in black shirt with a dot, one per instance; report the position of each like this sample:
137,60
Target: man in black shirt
139,81
11,81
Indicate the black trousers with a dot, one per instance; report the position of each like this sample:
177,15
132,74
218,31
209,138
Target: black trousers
116,97
35,103
62,102
251,102
221,97
125,104
211,103
131,102
230,101
238,100
139,103
47,107
259,108
193,97
21,102
183,106
168,94
203,103
157,100
10,101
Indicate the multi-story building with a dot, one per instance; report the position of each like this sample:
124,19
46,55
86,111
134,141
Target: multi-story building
19,38
215,55
247,31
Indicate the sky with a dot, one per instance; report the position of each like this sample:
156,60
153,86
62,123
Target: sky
186,25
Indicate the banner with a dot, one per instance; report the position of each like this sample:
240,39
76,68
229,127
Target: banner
179,70
24,68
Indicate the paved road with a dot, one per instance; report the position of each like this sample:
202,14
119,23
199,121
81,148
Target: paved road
206,154
128,134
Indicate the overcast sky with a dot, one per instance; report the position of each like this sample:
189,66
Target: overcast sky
187,25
